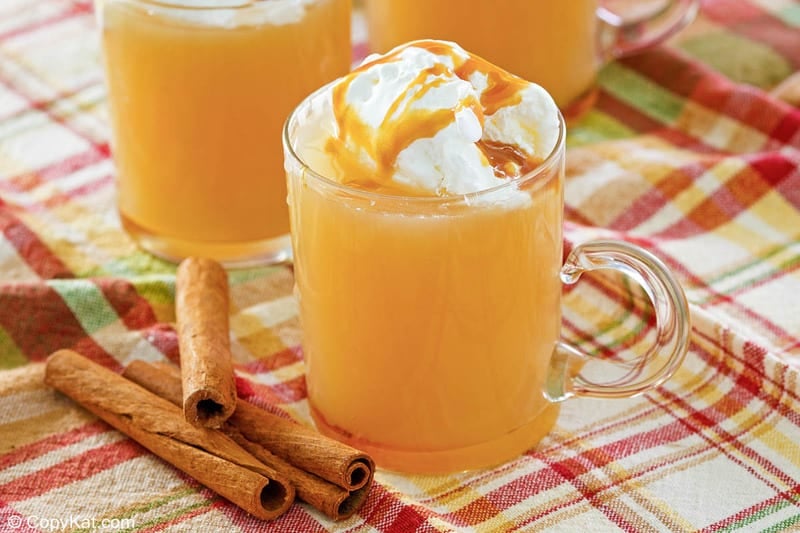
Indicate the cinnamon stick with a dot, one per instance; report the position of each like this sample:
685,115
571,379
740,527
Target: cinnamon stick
330,459
209,456
334,501
201,308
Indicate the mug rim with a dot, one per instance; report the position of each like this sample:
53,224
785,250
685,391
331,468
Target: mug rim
173,5
539,172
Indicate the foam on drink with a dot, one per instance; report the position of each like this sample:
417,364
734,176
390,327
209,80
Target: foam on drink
428,119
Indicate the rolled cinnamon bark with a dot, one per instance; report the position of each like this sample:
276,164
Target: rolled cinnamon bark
210,457
334,501
201,308
330,459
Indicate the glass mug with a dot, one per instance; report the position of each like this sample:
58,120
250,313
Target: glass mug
558,44
432,325
198,93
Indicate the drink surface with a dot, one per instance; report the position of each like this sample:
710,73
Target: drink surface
197,101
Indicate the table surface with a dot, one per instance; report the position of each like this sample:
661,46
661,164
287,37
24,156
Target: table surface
692,150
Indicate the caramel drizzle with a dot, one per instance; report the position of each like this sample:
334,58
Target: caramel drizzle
503,88
507,160
403,125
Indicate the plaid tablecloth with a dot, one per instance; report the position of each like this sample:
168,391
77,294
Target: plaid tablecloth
689,152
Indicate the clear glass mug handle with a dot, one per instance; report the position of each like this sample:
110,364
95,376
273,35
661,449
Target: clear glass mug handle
661,360
628,27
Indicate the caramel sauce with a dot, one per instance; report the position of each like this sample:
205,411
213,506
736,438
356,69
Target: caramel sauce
404,125
507,160
503,87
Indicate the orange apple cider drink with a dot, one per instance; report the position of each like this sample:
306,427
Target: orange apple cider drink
550,42
425,192
197,100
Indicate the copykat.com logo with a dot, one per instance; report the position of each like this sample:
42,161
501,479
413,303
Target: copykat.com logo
49,523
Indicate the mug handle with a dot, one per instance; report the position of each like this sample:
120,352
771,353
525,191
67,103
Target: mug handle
654,23
672,324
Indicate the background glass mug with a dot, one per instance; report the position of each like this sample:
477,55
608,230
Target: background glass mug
558,44
431,325
197,99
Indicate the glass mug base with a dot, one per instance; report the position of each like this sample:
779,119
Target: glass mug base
269,251
431,462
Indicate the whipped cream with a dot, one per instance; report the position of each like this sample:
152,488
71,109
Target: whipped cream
428,118
230,13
